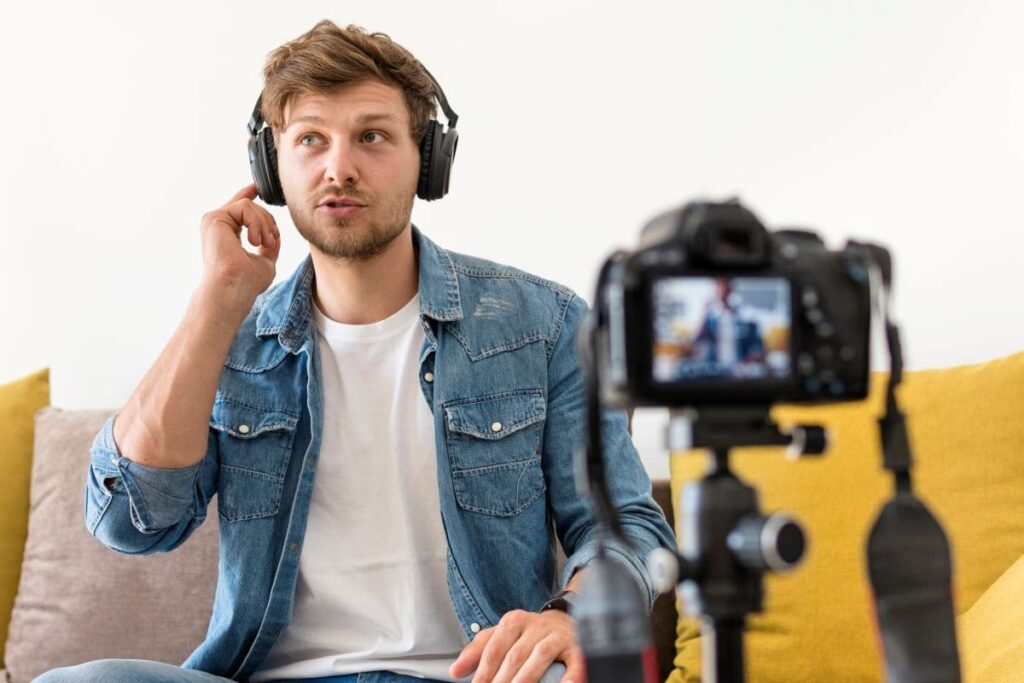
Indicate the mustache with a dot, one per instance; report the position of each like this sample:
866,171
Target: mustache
341,194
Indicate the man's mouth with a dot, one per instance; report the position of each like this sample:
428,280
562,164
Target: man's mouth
340,206
335,202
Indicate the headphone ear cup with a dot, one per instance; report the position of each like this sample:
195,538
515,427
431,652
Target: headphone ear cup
428,152
263,161
443,164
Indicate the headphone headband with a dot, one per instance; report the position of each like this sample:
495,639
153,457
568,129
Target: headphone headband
449,113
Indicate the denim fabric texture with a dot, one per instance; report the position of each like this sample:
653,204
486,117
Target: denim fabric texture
499,371
144,671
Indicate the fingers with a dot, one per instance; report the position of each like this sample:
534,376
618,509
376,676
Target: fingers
467,660
575,667
516,658
271,246
247,192
502,646
545,653
259,222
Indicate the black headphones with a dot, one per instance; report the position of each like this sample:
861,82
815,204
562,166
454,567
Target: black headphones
437,152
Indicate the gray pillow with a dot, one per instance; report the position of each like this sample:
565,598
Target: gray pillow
78,600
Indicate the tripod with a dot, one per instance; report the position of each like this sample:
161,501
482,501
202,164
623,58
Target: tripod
726,544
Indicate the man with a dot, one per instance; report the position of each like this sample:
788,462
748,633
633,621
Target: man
725,338
390,432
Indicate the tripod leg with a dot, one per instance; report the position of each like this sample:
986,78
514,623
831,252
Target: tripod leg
723,651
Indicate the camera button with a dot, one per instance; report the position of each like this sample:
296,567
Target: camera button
810,297
806,363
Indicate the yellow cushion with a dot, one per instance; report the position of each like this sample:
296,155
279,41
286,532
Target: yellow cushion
992,632
967,436
19,401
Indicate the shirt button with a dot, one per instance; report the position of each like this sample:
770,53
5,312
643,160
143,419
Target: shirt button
429,377
474,627
495,426
244,429
294,548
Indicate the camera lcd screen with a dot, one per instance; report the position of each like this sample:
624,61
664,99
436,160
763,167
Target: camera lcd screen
721,329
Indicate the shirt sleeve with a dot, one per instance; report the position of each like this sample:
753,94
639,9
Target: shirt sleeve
641,518
138,509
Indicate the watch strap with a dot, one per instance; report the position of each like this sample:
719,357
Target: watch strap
562,602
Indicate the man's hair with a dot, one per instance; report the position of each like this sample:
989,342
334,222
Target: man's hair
326,57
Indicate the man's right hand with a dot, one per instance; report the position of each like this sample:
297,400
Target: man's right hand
225,261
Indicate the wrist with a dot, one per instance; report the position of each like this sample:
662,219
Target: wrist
224,298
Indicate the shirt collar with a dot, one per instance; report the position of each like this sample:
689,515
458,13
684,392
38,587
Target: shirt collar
287,310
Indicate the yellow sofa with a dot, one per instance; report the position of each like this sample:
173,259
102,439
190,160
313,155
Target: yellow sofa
19,401
967,433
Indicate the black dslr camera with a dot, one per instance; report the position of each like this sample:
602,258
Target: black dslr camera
717,318
713,309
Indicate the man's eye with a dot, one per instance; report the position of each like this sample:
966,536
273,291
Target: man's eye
372,136
306,136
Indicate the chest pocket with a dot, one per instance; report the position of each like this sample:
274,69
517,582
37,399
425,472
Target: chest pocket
494,448
255,445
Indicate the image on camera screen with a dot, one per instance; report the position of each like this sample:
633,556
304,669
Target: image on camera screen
721,328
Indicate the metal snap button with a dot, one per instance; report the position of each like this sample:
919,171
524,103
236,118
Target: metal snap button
474,627
496,427
429,376
244,429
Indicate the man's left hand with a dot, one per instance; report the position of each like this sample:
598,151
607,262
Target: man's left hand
521,648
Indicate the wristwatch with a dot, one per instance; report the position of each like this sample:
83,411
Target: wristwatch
563,602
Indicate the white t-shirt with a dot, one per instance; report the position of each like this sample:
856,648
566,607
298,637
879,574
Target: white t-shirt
372,592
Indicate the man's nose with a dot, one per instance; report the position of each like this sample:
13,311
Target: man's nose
341,166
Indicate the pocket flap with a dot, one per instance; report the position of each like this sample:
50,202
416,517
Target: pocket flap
245,422
498,416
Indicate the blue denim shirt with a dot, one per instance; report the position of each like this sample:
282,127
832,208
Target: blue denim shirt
499,347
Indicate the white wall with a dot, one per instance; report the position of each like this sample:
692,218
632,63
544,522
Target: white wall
123,123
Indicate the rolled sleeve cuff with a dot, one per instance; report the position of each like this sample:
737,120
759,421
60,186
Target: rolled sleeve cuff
158,497
617,552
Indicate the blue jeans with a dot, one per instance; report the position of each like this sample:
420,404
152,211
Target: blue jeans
143,671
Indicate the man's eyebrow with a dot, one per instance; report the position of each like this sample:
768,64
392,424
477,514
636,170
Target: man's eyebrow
367,118
362,120
310,118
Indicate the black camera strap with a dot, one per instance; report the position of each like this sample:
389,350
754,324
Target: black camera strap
611,617
908,554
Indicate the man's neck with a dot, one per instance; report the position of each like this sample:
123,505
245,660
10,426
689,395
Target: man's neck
359,292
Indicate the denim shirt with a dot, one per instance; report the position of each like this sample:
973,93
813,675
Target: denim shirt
499,371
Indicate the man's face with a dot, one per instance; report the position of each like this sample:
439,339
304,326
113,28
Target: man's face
351,146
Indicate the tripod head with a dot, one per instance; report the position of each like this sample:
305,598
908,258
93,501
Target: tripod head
726,543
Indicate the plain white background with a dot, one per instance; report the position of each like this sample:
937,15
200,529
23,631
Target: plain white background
897,122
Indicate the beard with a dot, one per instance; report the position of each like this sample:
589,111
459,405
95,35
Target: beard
357,237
